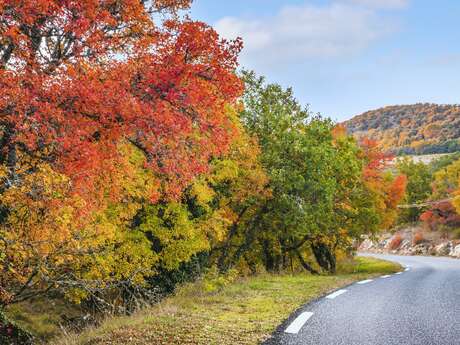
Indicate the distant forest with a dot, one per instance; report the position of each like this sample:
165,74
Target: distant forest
411,129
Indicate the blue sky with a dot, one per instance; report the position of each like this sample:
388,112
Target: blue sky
343,57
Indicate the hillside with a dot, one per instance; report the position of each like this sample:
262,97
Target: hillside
411,129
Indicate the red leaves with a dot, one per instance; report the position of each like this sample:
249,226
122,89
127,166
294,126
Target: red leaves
377,160
170,100
441,214
46,33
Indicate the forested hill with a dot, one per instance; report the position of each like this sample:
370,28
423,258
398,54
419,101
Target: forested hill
411,129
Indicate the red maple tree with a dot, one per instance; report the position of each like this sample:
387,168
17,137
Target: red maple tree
78,77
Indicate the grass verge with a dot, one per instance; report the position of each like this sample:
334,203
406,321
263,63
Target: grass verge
42,316
245,312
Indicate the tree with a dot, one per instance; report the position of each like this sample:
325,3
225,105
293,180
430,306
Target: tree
211,219
386,190
320,181
419,178
102,112
411,129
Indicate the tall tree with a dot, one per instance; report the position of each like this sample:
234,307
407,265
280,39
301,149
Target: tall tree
85,86
325,187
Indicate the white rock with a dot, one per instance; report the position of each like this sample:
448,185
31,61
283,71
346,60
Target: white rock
366,245
455,252
405,244
443,248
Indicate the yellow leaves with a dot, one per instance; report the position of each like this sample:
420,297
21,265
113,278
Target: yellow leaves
216,226
51,229
225,170
202,192
174,236
91,234
3,172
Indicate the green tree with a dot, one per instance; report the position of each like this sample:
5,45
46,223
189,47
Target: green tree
419,179
319,201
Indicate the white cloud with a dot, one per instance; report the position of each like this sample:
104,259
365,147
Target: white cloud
388,4
297,33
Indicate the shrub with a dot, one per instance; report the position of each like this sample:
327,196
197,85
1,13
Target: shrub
396,242
166,281
418,238
213,281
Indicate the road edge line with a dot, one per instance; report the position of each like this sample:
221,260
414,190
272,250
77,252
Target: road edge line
298,323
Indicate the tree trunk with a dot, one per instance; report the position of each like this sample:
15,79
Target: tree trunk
224,255
269,258
305,264
324,256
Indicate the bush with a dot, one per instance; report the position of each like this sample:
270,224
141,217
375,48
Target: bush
213,281
418,238
166,281
396,242
11,334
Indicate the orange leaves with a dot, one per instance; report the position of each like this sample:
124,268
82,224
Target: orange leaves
395,242
396,191
46,33
339,131
388,190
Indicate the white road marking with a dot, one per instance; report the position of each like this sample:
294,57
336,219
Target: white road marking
365,281
298,323
399,273
387,276
336,294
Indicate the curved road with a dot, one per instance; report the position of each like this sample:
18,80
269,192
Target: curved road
421,306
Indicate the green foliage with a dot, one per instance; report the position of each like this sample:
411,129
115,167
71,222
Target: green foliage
165,281
214,281
444,161
319,200
419,179
446,179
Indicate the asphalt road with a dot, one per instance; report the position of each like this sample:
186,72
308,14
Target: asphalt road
421,306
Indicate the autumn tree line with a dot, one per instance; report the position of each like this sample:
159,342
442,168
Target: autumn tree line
415,129
135,153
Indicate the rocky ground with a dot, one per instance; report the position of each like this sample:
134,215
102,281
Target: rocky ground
413,241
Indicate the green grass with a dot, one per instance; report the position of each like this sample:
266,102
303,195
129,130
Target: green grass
244,312
41,316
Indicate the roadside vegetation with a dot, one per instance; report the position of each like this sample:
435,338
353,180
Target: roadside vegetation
241,312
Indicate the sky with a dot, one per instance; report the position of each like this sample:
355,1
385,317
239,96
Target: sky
344,57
